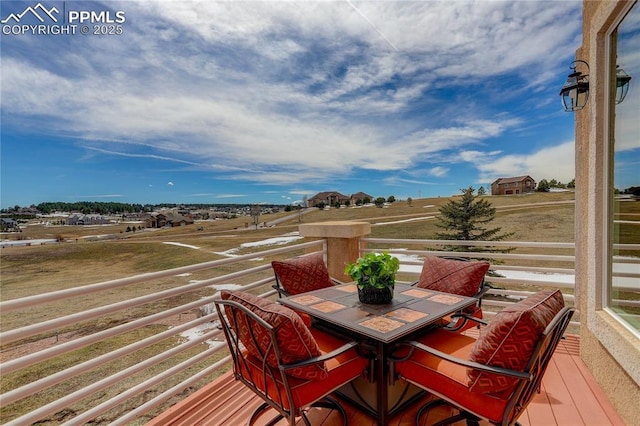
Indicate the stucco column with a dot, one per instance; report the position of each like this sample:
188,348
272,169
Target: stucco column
343,242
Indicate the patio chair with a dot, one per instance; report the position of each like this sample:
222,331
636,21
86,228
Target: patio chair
290,366
495,376
301,274
458,276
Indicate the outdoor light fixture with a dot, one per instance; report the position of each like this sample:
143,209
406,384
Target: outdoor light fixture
575,91
622,84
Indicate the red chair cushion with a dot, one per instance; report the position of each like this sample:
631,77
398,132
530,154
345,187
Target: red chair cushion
340,370
302,274
447,379
294,339
509,339
452,276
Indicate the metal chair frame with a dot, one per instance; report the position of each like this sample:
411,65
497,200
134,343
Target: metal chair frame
529,380
240,363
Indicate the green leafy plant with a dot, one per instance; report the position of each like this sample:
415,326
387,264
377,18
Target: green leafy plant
374,270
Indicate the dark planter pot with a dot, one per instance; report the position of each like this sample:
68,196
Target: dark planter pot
375,296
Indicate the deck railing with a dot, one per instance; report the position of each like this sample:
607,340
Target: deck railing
504,265
127,358
124,379
514,274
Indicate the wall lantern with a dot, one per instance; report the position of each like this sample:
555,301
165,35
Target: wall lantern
575,91
622,84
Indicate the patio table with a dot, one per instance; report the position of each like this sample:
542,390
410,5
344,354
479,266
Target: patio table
379,327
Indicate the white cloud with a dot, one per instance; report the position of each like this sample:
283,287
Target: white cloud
231,195
555,162
478,157
286,92
438,171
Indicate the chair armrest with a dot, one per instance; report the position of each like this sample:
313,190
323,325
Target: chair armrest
482,291
469,318
334,353
280,290
470,364
456,325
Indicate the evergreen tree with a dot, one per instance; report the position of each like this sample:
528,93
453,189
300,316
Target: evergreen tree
633,190
543,186
466,218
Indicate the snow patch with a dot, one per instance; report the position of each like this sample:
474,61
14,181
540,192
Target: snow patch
284,239
228,253
537,276
199,330
272,241
515,275
403,221
182,245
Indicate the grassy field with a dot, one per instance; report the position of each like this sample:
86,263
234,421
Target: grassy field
26,271
82,260
37,269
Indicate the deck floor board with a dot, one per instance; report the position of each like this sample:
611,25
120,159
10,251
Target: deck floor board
569,396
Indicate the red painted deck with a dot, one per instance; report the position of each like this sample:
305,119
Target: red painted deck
569,396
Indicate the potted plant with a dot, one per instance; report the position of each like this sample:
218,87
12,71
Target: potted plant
375,274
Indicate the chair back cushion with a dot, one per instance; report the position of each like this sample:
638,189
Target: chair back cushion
302,274
510,338
452,276
295,341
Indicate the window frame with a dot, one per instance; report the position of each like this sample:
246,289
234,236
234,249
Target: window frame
608,175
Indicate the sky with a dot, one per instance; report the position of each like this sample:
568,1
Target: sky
274,101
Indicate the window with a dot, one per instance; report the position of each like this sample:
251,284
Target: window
622,294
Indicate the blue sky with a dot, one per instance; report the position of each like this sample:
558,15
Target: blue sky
269,101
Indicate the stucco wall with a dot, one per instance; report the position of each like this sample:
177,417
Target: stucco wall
611,352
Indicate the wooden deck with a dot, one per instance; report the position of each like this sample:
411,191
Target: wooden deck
569,396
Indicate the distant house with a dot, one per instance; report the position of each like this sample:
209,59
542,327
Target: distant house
328,198
86,219
361,197
155,220
7,224
513,185
179,220
160,220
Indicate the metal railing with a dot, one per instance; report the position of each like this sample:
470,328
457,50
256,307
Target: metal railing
515,274
67,381
502,264
206,345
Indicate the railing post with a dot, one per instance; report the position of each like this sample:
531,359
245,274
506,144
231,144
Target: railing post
343,242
